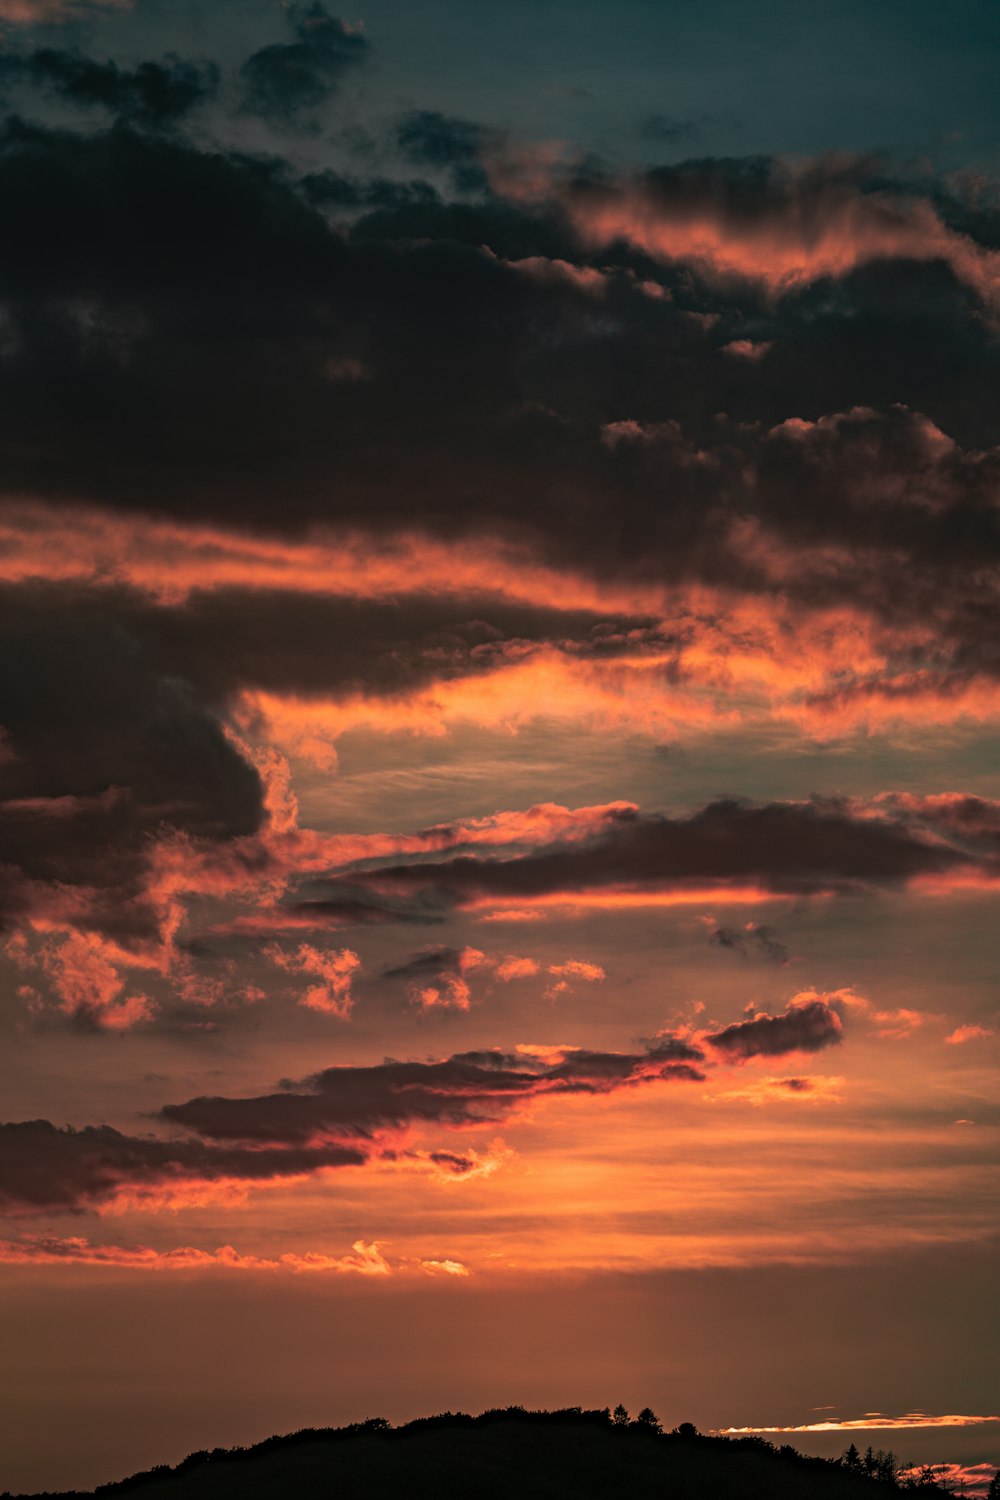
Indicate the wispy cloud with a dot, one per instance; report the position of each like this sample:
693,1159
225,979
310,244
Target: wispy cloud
870,1422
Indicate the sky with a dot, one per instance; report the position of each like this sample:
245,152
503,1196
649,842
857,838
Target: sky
499,804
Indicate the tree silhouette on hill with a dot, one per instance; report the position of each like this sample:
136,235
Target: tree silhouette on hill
571,1452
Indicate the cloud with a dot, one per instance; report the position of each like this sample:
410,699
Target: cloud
332,1119
807,1025
105,751
46,1169
752,938
449,992
475,1088
818,1089
747,349
435,140
151,95
967,1033
444,1268
447,968
285,80
169,617
967,1479
872,435
576,968
33,12
672,131
872,1422
765,850
895,1024
432,961
763,220
335,968
85,976
364,1259
513,967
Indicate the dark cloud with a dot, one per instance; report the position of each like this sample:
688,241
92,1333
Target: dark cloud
472,1088
667,128
808,1026
179,363
152,95
360,909
786,848
44,1168
452,1162
335,191
102,751
438,140
429,961
444,141
327,1120
673,131
283,81
758,941
224,406
112,707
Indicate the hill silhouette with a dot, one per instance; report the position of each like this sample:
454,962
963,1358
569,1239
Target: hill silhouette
531,1455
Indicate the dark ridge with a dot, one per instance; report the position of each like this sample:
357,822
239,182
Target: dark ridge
569,1454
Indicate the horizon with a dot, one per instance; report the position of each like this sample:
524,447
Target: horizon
906,1475
499,805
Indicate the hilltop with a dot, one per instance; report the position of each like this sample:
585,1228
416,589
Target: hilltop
563,1455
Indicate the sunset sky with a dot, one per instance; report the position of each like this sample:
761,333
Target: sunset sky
499,692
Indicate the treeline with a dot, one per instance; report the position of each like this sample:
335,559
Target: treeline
882,1468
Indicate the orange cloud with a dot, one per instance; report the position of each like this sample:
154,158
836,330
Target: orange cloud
968,1033
815,1089
619,898
890,1024
812,221
709,656
170,560
955,1479
335,968
872,1422
83,970
365,1259
444,1267
575,968
449,992
516,968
